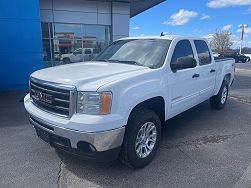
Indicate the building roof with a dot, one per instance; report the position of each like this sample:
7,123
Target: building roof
167,37
138,6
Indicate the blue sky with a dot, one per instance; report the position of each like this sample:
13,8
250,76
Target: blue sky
195,18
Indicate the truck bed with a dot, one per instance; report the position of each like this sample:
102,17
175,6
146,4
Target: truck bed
218,59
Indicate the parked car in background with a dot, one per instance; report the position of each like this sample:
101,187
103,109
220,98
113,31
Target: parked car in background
216,54
57,56
80,55
248,56
237,57
116,105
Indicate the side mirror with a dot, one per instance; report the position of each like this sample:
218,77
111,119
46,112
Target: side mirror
183,63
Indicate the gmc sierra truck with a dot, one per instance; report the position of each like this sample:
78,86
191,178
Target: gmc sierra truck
115,106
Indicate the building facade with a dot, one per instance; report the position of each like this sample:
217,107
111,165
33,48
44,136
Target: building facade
42,33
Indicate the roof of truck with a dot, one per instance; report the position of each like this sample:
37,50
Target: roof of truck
167,37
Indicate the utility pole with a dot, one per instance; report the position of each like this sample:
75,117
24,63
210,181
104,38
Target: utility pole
242,26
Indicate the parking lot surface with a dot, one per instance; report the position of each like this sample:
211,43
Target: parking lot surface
200,148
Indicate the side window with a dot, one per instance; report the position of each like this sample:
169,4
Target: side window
182,52
88,51
203,52
78,51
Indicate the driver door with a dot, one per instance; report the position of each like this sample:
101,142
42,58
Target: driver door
183,84
77,55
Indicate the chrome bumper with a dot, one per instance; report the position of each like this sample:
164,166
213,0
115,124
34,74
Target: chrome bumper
101,141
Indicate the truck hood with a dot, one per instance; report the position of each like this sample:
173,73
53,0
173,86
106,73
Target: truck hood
88,76
65,55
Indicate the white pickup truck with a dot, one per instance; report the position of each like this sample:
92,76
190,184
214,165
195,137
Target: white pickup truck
115,106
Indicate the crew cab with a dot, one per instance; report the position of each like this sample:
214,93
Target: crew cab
115,106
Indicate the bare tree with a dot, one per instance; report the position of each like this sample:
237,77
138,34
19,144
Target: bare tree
221,42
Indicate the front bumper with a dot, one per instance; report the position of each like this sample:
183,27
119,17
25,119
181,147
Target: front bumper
101,146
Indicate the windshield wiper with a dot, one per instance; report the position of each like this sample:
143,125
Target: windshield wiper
106,60
125,62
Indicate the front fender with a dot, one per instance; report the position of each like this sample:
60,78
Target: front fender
130,92
139,93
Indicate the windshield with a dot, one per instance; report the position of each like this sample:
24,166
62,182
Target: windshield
142,52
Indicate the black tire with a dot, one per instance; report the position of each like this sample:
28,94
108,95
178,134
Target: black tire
216,101
66,61
138,118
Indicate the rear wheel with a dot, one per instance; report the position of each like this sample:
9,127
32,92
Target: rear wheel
218,101
244,61
142,138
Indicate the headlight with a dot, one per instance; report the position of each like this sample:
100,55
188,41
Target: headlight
96,103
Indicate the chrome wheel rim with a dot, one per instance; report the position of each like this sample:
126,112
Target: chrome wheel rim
146,139
224,95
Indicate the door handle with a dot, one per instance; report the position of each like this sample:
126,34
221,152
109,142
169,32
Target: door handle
195,75
212,70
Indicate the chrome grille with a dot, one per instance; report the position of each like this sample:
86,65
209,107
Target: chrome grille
52,97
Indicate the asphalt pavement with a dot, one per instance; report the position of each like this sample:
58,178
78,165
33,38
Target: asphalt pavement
200,148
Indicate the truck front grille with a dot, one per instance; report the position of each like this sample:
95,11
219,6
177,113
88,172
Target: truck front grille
52,97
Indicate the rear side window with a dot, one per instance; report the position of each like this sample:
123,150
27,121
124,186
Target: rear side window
203,52
182,49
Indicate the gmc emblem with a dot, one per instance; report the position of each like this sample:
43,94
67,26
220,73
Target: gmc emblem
43,97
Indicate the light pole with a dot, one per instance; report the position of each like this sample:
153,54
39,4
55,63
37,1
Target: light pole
242,26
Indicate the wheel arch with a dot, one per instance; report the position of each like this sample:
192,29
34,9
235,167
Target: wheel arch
227,78
156,104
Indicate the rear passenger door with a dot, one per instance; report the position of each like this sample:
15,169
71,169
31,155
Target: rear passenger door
182,84
206,68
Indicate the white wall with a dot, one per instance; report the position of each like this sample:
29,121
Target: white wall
120,20
88,12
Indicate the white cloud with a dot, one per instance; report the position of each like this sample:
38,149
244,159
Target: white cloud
227,27
197,31
248,11
234,38
142,35
236,41
247,30
180,18
208,36
204,17
227,3
136,28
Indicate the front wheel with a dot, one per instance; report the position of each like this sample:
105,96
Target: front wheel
66,61
142,138
218,101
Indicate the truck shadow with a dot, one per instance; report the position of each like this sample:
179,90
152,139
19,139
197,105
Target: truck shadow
167,159
12,112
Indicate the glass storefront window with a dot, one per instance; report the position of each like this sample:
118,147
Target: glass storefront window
71,43
96,32
70,50
46,30
68,31
46,52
